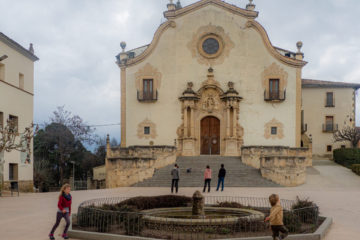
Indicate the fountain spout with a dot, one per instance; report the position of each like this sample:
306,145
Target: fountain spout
198,204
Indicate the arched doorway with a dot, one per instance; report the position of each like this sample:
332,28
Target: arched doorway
210,136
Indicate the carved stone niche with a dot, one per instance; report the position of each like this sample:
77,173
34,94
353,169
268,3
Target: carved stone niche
210,100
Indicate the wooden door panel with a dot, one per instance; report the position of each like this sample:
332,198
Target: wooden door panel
210,136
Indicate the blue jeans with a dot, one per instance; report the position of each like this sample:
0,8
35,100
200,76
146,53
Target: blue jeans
220,180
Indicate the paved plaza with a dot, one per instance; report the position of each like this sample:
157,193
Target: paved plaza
335,188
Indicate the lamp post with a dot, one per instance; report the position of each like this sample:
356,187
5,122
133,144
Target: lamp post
73,185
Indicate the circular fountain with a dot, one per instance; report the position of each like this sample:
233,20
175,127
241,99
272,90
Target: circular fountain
200,216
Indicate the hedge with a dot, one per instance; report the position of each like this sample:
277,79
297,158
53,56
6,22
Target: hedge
356,168
347,156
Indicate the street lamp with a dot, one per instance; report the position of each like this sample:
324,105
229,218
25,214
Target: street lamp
73,186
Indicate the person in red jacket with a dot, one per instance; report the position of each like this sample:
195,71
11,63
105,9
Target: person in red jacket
64,211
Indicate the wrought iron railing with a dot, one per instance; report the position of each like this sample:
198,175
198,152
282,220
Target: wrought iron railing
330,127
147,96
274,95
96,216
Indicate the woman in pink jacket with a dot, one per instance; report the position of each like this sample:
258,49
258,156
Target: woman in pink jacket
207,177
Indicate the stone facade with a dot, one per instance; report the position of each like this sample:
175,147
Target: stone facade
127,166
17,102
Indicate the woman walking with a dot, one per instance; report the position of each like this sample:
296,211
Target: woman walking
64,211
207,177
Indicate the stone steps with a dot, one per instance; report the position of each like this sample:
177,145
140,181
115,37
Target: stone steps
237,173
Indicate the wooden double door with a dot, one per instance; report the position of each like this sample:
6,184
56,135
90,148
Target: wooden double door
210,136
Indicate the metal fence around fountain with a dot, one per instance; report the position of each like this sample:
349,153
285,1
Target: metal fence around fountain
92,218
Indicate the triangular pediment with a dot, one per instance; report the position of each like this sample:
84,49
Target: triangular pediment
218,3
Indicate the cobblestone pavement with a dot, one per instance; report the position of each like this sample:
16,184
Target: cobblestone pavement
334,188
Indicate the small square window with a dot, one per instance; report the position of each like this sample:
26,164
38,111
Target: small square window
146,130
273,130
329,148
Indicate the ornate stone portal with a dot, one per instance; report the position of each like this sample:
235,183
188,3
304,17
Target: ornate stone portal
210,120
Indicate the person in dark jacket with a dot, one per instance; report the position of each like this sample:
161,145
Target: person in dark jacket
175,173
64,211
221,178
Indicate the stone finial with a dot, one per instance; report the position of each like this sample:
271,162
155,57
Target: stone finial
31,48
178,5
250,6
190,85
231,85
171,6
299,55
123,46
299,45
107,139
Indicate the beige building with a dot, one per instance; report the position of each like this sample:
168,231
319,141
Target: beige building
327,107
16,103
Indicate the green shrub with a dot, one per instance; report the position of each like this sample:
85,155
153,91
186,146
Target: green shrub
292,222
210,230
347,156
224,231
165,201
356,168
229,205
306,210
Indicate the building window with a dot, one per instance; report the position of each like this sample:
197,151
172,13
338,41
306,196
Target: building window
21,80
1,119
328,148
274,88
148,89
330,99
2,72
273,130
13,171
14,123
329,125
147,130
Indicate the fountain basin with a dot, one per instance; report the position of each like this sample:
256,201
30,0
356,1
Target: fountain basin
214,216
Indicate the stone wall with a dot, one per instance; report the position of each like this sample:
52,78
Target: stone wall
127,166
287,171
283,165
24,186
251,155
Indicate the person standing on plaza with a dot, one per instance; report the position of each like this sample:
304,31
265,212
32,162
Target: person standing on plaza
175,173
64,211
221,178
207,177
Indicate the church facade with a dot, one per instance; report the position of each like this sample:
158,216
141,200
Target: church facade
209,83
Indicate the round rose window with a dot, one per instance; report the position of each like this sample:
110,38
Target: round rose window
211,46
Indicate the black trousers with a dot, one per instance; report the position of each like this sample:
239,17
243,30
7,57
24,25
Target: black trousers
59,216
174,183
207,182
277,229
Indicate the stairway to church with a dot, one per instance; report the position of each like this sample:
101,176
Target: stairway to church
237,173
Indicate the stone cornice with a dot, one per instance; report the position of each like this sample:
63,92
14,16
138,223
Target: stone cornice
163,27
226,6
14,45
272,50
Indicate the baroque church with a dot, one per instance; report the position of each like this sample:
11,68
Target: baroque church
211,83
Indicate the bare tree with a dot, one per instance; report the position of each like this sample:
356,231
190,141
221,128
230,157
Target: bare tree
350,134
11,139
81,131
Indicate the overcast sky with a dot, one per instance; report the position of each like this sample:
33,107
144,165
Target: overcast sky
77,40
